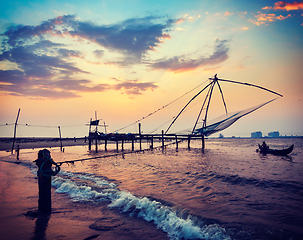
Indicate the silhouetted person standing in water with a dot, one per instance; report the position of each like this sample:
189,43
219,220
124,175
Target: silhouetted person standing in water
44,162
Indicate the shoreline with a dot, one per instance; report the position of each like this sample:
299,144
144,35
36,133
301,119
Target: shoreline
32,143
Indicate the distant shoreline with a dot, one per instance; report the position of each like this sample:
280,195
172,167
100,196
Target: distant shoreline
266,137
40,142
49,142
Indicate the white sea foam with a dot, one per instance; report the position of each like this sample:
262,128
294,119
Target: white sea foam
88,176
165,218
150,210
81,192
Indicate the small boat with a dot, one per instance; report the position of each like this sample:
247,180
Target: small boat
282,152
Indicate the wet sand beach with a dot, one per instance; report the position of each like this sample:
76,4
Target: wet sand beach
19,194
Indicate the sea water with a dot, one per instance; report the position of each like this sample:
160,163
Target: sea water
227,191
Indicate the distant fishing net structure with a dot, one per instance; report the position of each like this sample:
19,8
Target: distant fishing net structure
223,122
202,126
220,123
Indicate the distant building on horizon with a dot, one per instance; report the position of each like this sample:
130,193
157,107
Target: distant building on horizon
257,134
274,134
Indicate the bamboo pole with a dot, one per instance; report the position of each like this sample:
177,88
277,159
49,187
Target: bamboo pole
60,138
207,95
15,129
186,106
89,137
249,84
209,98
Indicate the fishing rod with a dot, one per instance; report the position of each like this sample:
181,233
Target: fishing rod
113,155
103,156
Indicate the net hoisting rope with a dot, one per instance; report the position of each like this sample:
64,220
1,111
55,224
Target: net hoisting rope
150,114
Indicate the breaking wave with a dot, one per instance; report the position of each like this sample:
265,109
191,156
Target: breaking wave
87,187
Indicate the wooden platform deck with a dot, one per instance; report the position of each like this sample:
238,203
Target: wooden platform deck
94,138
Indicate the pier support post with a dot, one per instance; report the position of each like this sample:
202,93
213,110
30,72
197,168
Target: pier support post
203,142
96,141
188,144
105,145
89,136
162,138
89,143
133,144
176,142
140,136
117,145
152,142
122,145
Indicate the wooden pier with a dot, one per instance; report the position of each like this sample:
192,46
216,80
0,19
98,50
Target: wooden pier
121,139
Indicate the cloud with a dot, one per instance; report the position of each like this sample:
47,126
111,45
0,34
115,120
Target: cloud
45,69
12,77
65,53
134,87
263,18
285,6
228,13
43,76
20,34
99,53
133,37
39,64
189,18
182,64
17,83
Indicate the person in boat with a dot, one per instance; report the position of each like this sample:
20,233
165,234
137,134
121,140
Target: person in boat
264,147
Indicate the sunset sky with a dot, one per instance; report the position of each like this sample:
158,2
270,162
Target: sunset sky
60,61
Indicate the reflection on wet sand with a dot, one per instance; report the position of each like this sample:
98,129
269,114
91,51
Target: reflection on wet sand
41,226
